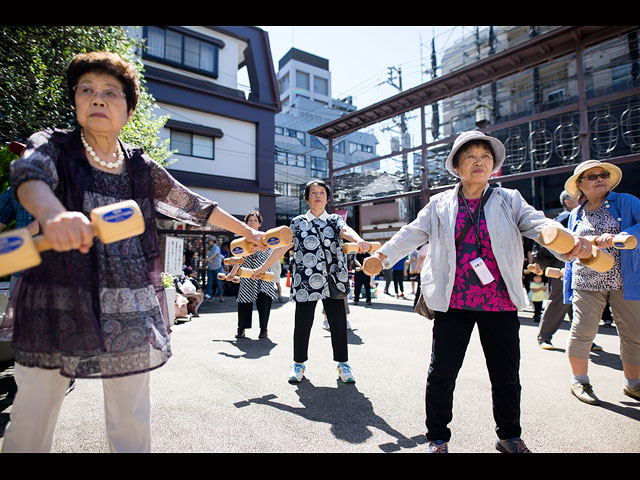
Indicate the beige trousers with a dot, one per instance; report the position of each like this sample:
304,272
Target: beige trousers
39,398
587,312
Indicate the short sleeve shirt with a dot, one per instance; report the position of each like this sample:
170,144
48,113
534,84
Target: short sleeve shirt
317,252
597,222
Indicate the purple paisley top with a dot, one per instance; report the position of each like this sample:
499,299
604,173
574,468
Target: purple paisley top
468,292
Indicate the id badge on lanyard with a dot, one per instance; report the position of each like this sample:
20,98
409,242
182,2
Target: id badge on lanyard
478,265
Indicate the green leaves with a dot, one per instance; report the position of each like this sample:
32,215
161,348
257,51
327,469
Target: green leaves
33,93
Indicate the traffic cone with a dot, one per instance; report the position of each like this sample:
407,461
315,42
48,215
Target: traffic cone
288,278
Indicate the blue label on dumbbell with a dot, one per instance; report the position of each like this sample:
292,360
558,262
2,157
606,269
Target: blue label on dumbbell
273,241
119,215
9,244
237,251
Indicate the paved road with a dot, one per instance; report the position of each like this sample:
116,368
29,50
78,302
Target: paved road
219,394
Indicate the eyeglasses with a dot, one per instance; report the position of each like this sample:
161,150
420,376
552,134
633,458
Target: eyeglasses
594,176
87,92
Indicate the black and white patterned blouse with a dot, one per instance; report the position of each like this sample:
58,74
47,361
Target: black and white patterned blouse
317,248
249,288
597,222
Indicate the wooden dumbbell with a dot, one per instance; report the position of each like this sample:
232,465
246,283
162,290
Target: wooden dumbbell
233,261
562,242
111,223
534,268
350,247
276,237
621,242
372,266
553,272
247,273
222,276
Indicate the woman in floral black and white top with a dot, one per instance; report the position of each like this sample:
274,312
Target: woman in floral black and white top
318,255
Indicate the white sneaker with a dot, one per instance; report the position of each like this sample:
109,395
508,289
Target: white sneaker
296,372
348,325
207,296
325,325
345,373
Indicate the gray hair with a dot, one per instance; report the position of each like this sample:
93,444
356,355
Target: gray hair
564,196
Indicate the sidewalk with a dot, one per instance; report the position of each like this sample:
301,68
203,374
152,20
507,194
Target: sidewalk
221,394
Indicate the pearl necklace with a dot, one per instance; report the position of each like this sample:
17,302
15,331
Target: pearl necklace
97,159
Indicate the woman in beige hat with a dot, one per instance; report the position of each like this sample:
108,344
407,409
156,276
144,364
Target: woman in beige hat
472,275
603,213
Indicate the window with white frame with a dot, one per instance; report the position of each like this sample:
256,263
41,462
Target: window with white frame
192,145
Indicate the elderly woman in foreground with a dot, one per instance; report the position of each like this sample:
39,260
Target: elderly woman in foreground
472,275
94,310
605,214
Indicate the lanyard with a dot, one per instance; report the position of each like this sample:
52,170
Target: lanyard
476,226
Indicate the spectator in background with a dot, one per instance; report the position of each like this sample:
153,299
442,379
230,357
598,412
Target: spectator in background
214,266
397,271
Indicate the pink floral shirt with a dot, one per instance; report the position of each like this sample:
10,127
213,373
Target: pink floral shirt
468,292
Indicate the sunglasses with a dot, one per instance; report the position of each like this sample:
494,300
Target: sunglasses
594,176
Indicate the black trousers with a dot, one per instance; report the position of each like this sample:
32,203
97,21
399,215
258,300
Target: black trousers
361,279
398,281
499,336
245,311
337,318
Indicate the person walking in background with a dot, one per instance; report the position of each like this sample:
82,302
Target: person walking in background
214,267
603,213
361,280
556,310
397,272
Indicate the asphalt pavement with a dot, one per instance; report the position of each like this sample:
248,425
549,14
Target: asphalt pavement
220,394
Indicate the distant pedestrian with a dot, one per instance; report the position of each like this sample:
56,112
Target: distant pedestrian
214,267
556,310
397,272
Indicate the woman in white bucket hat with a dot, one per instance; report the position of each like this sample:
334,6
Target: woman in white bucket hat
603,213
474,278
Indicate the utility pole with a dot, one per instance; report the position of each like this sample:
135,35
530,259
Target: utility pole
408,213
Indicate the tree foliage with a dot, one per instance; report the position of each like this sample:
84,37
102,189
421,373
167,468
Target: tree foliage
33,94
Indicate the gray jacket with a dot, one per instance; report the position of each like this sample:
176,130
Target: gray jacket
508,218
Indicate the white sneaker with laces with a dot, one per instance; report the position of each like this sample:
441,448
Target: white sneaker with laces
296,372
345,373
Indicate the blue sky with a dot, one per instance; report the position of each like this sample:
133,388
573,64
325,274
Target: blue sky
359,56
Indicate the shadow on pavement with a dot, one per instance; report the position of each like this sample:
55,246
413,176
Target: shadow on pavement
349,413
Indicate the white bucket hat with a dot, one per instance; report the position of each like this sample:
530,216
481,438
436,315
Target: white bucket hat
465,137
571,185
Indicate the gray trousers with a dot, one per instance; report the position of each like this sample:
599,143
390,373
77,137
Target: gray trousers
554,313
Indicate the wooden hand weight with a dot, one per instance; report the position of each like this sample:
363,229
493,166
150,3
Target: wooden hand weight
111,223
222,276
233,260
350,247
621,242
553,272
562,242
276,237
372,266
